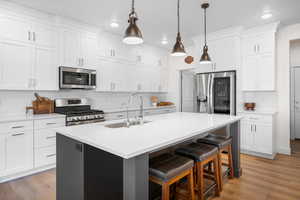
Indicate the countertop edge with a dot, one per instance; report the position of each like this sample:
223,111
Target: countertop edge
154,148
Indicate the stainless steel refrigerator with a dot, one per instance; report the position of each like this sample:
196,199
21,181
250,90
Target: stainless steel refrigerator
208,92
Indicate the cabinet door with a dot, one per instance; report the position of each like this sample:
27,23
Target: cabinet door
265,74
15,29
226,58
250,73
2,153
266,43
263,141
89,48
247,136
16,74
19,151
45,35
46,69
105,75
71,41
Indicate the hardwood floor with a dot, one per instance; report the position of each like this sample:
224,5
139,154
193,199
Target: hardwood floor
262,179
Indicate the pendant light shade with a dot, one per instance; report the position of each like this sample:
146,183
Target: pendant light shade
133,35
205,58
178,49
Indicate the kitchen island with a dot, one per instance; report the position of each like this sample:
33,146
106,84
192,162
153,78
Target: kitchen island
98,162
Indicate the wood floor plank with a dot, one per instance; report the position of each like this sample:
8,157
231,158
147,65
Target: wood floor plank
262,179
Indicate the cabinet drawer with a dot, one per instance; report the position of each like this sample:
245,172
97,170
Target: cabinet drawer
258,118
16,126
44,138
45,156
49,123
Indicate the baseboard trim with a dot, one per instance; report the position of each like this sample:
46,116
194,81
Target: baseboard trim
263,155
26,173
286,151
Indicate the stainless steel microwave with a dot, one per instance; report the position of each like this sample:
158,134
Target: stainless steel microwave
77,78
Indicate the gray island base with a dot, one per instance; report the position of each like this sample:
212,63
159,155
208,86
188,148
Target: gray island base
87,172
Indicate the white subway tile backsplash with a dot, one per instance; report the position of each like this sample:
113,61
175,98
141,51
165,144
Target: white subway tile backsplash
14,102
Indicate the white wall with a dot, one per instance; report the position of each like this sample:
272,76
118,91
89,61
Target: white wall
284,37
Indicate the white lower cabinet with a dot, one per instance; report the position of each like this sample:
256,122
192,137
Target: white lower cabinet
19,151
26,146
2,154
45,141
257,135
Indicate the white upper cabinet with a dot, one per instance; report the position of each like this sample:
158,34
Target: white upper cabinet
16,73
258,68
28,40
70,48
15,29
223,48
89,49
78,48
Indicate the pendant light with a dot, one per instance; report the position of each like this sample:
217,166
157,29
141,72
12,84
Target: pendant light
205,58
133,35
178,49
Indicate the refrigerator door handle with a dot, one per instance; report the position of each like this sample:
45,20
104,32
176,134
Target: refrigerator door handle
211,99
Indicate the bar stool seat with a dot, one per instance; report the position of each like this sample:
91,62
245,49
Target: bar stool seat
224,146
217,141
202,154
167,169
197,152
166,166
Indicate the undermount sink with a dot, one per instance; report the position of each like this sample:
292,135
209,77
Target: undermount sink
124,124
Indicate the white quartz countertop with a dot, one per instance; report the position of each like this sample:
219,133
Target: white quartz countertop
24,117
122,109
162,131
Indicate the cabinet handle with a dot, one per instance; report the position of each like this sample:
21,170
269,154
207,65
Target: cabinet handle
34,38
82,61
51,155
258,48
120,116
50,137
251,128
255,128
29,35
18,134
15,127
51,123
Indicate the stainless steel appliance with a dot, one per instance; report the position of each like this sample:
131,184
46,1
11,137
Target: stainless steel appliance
209,92
78,111
76,78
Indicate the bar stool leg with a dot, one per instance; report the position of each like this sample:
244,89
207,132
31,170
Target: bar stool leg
200,175
220,170
217,175
191,184
165,191
230,161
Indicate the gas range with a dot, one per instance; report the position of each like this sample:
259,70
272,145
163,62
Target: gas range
78,111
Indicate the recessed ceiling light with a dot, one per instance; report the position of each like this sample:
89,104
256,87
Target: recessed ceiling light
114,24
267,15
164,41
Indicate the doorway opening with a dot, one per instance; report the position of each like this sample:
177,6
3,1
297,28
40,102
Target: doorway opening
295,95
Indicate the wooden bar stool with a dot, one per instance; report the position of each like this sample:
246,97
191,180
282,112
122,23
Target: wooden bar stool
224,145
167,169
202,154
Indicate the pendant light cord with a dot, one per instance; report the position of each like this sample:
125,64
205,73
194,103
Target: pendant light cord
132,6
205,26
178,16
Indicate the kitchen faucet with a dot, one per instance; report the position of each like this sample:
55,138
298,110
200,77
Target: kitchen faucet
140,117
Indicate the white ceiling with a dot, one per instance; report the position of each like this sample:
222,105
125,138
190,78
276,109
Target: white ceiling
158,17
